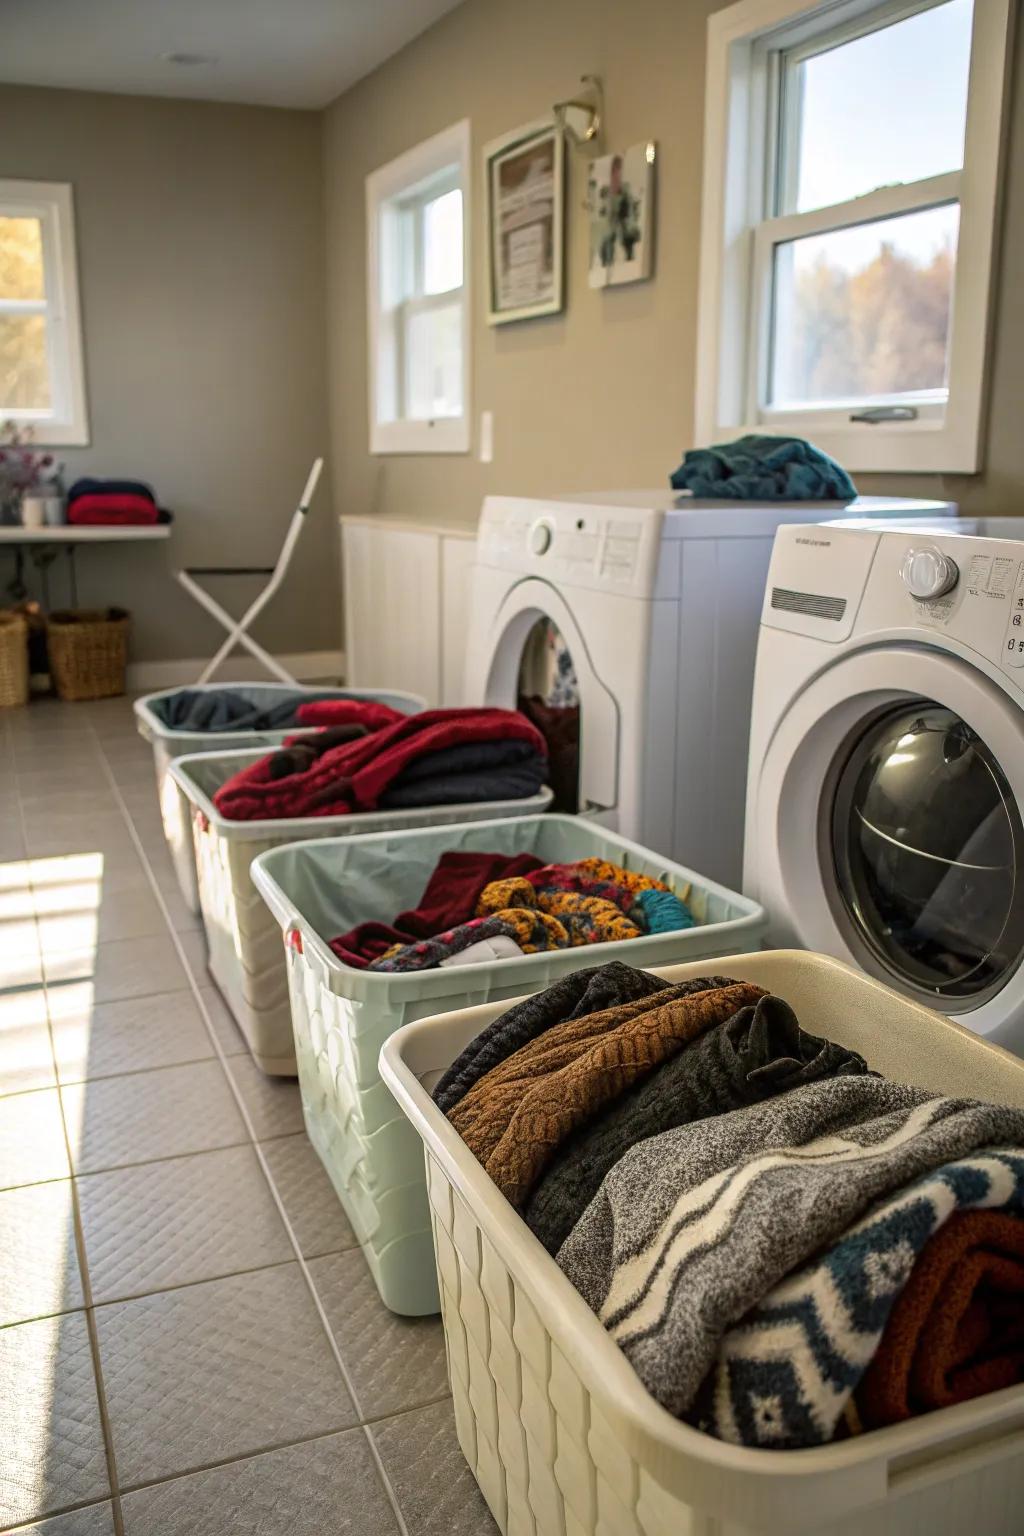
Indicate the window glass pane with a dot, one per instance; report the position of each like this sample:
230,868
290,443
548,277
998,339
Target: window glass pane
24,372
887,107
864,312
433,363
21,259
442,243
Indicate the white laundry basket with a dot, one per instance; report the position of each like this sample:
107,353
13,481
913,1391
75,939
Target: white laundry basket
169,743
342,1016
563,1438
245,955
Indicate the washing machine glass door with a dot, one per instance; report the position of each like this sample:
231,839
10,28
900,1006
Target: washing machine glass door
548,693
928,843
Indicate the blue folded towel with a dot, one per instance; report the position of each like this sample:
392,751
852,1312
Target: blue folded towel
764,469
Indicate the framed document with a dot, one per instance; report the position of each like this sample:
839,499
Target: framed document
525,223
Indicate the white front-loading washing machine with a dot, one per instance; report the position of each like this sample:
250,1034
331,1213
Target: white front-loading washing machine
886,788
641,610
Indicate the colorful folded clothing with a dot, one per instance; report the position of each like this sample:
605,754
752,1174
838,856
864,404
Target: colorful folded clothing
590,990
529,930
104,510
957,1328
759,1052
449,899
357,776
691,1253
515,1118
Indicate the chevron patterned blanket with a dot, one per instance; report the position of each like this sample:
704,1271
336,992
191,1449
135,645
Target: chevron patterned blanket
785,1375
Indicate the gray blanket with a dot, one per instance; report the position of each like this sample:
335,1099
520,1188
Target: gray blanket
761,1052
692,1228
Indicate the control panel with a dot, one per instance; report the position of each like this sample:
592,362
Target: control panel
572,543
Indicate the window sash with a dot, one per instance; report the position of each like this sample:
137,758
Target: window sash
885,203
64,421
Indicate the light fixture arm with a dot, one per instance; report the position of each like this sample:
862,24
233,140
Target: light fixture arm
588,105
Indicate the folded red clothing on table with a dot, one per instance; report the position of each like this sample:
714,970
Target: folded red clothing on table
368,712
104,508
450,898
354,776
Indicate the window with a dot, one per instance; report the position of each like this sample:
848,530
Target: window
41,377
419,320
851,176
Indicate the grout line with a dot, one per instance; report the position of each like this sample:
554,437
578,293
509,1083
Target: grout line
83,1268
141,1162
346,1377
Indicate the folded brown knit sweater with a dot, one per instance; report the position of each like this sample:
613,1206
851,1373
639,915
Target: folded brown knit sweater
515,1118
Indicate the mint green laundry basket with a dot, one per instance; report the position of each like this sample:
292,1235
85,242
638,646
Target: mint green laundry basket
341,1017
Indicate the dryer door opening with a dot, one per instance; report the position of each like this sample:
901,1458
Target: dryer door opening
535,659
548,693
927,843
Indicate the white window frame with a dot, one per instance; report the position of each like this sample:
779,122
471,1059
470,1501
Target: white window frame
66,422
438,165
740,228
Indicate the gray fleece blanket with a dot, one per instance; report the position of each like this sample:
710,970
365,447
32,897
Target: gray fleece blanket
760,1052
692,1228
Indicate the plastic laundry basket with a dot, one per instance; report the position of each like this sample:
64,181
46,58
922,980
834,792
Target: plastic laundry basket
342,1016
168,743
245,953
560,1432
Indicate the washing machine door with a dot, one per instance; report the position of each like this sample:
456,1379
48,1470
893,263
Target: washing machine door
535,658
899,829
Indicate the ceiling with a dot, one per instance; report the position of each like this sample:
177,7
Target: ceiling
277,53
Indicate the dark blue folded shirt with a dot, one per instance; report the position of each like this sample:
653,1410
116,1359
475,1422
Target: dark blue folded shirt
93,487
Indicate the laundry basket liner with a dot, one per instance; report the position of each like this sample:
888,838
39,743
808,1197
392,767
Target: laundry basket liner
557,1427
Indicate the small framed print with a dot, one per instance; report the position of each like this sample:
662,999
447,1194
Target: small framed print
526,223
620,197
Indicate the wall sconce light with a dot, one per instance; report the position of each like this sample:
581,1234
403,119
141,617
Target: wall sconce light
582,116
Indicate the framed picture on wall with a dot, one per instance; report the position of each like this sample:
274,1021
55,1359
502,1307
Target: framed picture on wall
525,173
620,199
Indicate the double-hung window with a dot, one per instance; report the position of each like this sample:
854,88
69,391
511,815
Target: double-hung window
851,188
42,382
419,319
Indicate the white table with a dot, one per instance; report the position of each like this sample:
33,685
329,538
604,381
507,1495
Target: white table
43,545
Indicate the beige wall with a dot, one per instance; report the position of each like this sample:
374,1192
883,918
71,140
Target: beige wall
200,251
601,396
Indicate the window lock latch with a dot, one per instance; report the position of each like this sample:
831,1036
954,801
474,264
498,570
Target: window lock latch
876,415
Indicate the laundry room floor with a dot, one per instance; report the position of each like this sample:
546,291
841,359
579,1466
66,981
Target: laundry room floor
189,1338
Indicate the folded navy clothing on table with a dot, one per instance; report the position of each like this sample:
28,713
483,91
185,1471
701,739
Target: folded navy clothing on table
89,485
763,468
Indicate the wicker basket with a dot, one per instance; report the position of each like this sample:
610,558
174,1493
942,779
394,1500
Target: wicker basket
88,653
13,659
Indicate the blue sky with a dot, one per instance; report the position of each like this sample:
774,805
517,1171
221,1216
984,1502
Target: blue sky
888,107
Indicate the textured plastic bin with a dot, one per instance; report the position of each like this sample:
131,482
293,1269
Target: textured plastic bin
342,1016
560,1433
168,744
245,955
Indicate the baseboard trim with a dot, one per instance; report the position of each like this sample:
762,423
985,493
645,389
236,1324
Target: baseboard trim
305,666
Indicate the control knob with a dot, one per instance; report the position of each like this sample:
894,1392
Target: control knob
928,573
540,538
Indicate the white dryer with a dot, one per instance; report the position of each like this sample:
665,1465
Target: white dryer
655,598
886,789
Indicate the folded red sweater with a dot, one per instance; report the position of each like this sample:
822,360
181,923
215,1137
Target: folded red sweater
353,776
108,507
369,712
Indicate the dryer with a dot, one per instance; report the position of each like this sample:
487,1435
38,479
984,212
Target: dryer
655,597
885,804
